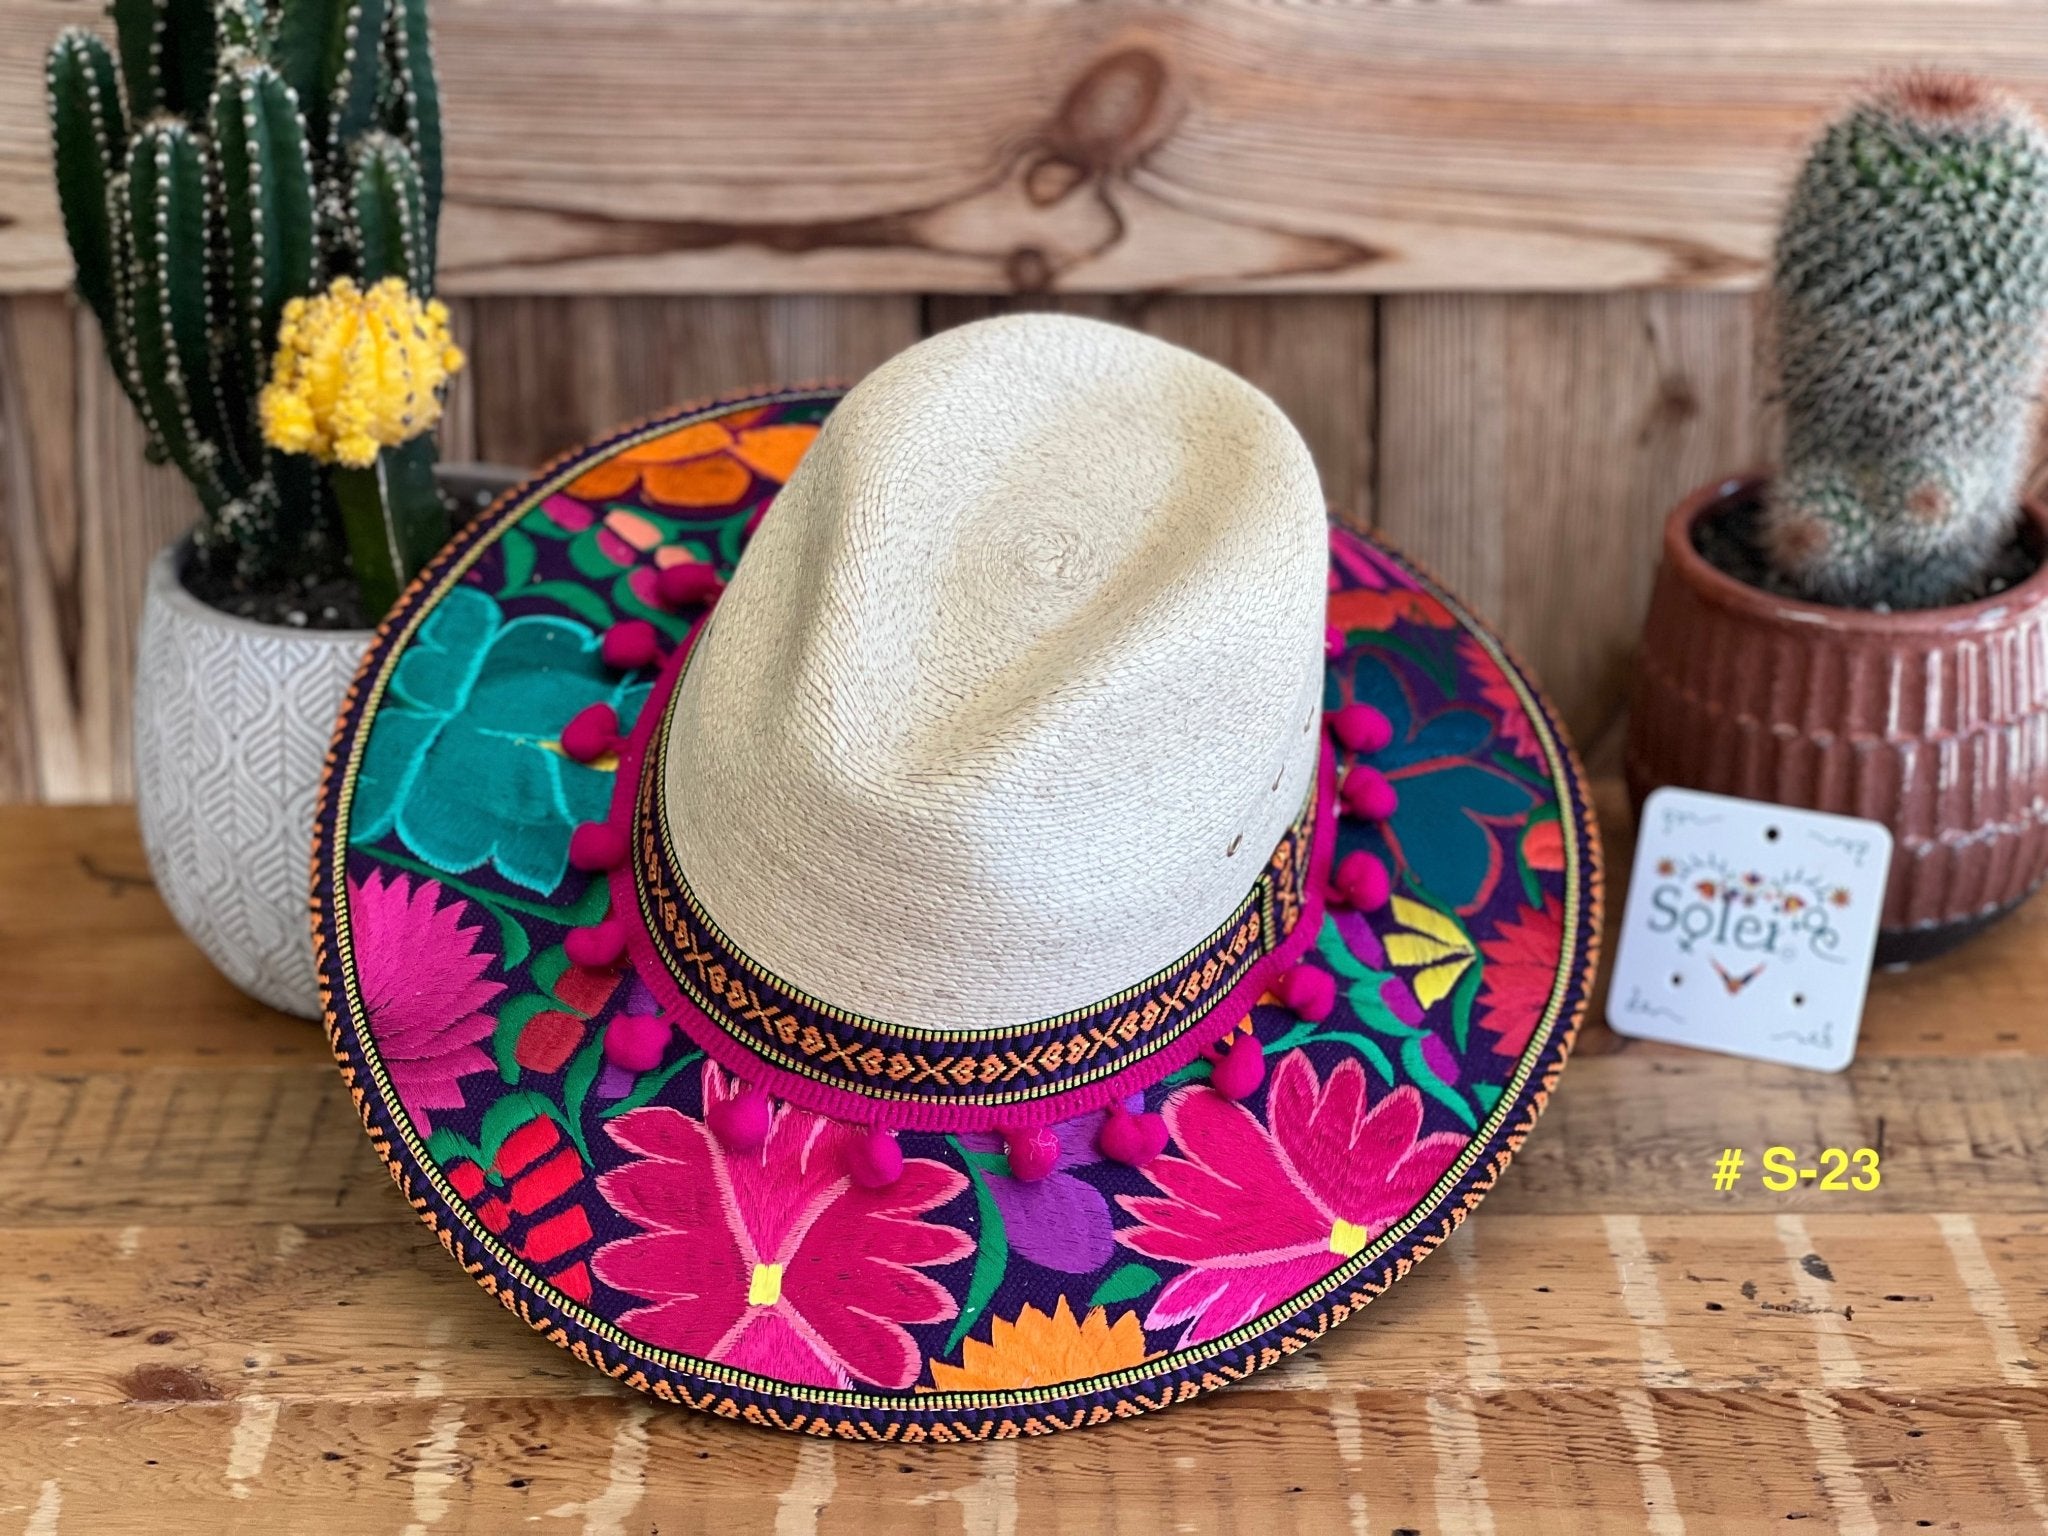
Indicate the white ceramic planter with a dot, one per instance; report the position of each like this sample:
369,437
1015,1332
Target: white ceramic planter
232,721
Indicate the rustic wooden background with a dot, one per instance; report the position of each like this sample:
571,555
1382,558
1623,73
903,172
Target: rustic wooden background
219,1317
1498,261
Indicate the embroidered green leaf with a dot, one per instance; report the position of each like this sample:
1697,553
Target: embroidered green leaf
1298,1033
510,930
1331,946
1419,1071
520,555
589,907
1131,1280
991,1257
576,1088
650,1084
1488,1095
1508,761
1532,888
548,967
539,525
445,1146
1375,1015
1433,664
512,1021
578,599
1196,1071
1462,1000
1369,1049
587,554
731,537
506,1116
1301,1032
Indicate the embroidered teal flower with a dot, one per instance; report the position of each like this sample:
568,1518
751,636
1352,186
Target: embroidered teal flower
464,762
1455,797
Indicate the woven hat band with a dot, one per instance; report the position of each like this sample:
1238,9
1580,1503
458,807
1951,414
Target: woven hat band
855,1067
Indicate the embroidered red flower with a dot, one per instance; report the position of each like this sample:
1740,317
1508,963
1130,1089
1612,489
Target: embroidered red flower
1512,722
1378,611
1521,971
1258,1212
775,1261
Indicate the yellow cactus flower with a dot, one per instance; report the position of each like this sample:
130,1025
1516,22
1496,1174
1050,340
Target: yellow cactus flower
357,370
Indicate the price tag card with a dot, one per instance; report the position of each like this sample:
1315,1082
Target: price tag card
1749,929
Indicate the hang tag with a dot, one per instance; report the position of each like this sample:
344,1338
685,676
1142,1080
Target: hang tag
1749,929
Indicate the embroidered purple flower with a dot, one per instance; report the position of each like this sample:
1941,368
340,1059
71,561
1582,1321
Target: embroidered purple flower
615,1082
1060,1221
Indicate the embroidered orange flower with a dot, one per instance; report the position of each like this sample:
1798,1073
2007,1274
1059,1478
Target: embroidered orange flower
706,464
1363,608
1038,1351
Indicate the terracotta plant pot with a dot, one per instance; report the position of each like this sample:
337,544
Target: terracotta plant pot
1933,722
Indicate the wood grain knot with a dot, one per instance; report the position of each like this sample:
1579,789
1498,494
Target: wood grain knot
167,1384
1113,114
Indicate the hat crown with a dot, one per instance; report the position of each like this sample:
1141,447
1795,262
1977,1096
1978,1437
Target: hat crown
1016,690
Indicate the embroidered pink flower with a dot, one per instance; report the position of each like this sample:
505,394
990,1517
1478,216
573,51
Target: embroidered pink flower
1260,1214
774,1261
423,986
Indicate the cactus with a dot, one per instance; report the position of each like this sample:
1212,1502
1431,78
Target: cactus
1911,292
224,158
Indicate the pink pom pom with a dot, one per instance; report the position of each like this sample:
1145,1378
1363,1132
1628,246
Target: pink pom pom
1237,1073
875,1161
1333,642
1368,793
630,645
1133,1140
634,1042
686,585
1361,728
1033,1153
741,1123
1309,992
596,947
597,846
594,732
1362,882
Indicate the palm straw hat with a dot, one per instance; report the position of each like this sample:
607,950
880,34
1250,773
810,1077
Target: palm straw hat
1034,926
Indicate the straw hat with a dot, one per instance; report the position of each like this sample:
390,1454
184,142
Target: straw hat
1045,931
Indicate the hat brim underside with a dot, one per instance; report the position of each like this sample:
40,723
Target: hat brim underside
959,1302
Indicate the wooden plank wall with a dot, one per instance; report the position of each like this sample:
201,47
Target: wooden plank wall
1497,261
1522,447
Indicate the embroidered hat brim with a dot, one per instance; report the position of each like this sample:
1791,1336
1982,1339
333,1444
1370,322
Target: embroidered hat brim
957,1301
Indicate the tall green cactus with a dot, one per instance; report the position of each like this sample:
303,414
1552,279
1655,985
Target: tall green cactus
1911,290
223,158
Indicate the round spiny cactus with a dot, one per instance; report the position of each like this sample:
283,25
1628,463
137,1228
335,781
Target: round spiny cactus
1911,289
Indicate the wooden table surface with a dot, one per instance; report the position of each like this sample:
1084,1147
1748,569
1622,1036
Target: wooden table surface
217,1315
